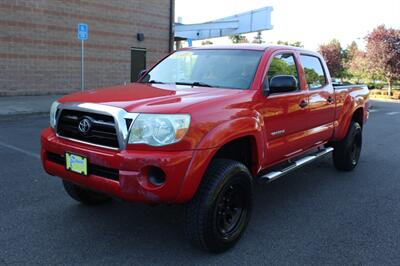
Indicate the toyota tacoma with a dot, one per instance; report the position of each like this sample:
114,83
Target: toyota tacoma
201,127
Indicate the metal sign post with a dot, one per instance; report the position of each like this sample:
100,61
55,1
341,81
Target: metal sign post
83,35
82,66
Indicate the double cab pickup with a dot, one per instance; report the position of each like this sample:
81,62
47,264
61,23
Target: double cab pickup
201,127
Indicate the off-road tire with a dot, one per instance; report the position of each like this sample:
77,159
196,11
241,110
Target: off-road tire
217,216
346,153
83,195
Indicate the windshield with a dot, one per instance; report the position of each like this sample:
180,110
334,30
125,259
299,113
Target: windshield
208,68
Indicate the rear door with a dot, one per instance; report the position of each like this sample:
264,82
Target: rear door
321,99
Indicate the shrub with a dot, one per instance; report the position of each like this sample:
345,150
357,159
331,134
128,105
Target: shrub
396,95
375,86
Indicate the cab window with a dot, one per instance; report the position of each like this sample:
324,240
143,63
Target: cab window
283,64
313,70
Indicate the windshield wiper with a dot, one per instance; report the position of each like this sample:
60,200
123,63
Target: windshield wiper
154,82
199,84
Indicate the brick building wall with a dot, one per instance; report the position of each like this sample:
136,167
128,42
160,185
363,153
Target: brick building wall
40,54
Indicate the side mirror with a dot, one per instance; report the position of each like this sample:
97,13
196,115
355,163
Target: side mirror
142,73
282,83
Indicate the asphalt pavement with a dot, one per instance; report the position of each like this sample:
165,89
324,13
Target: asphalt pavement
314,216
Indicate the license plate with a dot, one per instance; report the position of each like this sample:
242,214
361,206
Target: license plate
76,163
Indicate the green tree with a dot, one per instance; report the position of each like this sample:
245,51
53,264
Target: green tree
348,58
333,55
350,51
295,44
383,53
237,38
258,38
357,66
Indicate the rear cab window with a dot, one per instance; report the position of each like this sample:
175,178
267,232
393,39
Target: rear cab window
314,71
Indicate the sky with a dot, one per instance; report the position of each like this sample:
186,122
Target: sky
313,22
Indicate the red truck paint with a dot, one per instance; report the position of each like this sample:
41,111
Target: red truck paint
218,116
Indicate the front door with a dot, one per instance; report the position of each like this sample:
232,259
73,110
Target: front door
285,114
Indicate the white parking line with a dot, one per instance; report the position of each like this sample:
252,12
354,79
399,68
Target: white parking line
11,147
373,110
393,113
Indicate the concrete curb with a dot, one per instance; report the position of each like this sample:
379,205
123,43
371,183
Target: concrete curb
384,100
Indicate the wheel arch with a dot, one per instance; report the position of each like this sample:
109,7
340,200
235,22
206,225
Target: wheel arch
356,115
223,142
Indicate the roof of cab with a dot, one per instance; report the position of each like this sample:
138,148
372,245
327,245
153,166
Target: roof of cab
246,46
241,46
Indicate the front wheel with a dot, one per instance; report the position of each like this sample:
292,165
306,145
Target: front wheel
217,216
346,153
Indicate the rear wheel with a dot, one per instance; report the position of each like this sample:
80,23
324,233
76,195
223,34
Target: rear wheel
217,216
83,195
346,153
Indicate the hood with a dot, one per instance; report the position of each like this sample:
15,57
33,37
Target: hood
150,98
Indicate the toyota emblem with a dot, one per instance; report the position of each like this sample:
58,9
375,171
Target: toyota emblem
84,125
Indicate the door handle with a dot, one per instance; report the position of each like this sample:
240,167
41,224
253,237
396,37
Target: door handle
330,99
303,103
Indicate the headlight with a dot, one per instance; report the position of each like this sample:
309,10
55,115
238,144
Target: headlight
158,130
53,114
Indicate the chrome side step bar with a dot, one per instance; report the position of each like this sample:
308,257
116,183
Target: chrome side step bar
295,165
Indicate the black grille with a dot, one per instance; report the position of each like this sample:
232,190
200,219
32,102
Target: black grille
102,130
93,169
55,158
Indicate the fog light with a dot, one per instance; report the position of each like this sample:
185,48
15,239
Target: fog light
156,176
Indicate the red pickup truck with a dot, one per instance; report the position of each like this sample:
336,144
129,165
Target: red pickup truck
200,128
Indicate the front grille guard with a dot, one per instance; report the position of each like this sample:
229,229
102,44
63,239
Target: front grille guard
119,114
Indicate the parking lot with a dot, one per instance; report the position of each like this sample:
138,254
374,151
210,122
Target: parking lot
316,215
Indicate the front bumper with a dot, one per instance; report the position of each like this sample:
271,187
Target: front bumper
183,170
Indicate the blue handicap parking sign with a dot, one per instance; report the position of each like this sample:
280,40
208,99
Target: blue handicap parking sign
83,31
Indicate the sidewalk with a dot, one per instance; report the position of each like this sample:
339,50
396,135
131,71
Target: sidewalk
17,105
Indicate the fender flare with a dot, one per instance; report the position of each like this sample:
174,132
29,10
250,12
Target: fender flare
212,142
349,111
